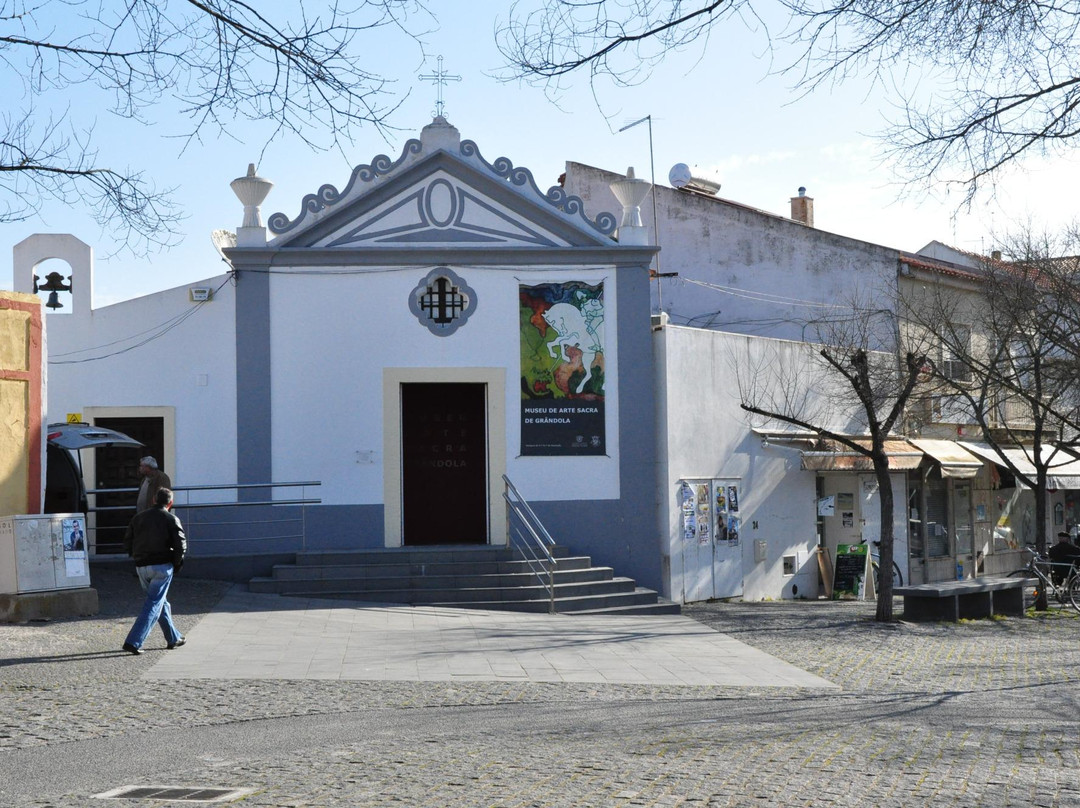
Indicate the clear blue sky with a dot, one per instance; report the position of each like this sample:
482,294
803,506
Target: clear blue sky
720,112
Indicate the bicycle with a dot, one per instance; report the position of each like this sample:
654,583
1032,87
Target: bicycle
875,563
1066,592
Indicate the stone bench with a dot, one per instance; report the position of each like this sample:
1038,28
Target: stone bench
953,600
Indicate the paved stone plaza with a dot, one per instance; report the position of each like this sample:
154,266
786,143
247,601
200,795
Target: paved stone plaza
983,713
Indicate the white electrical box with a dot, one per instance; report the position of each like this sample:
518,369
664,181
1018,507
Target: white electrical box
43,552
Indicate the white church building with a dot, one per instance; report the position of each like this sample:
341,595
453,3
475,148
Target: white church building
404,342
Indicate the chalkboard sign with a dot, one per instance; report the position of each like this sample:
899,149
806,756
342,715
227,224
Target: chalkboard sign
850,574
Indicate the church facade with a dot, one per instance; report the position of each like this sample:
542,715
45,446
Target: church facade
408,342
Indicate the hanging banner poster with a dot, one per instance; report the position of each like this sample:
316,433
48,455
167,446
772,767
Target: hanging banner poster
562,369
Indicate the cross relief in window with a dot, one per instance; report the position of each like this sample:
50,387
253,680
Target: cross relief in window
442,302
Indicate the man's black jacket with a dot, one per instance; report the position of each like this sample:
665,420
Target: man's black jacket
155,536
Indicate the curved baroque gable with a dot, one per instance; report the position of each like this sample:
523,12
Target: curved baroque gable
556,197
381,166
328,195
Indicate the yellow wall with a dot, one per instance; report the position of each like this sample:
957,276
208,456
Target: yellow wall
21,403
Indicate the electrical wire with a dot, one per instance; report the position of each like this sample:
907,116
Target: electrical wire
763,297
155,333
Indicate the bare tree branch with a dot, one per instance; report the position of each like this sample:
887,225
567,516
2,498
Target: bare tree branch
979,85
205,63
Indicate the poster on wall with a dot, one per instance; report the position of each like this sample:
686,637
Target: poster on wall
74,548
728,523
562,368
703,498
826,506
688,511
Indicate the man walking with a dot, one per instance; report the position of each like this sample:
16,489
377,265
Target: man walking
155,539
153,480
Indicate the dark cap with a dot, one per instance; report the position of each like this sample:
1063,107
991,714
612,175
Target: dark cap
1063,534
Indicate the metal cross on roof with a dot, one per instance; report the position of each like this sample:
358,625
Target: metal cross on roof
440,77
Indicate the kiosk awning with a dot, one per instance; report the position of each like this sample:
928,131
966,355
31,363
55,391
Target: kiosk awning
1062,475
902,457
954,459
1064,472
1017,456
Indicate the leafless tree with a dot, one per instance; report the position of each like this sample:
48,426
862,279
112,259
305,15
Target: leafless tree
979,85
197,64
854,355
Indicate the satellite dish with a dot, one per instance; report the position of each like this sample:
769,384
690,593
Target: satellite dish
223,240
680,177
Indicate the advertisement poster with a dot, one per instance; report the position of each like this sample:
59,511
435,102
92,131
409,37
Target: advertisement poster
562,369
850,572
703,498
688,508
728,523
74,548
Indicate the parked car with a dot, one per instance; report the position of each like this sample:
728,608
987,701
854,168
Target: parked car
64,488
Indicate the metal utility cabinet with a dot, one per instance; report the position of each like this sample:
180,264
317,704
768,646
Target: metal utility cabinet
41,553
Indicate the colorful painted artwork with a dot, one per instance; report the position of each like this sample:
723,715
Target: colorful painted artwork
562,369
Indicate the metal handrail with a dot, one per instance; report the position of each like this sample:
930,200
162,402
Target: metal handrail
216,487
302,501
531,539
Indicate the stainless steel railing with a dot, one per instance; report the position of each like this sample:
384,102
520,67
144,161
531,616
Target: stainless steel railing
531,539
199,528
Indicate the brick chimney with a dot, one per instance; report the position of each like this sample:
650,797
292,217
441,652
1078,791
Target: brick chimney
802,208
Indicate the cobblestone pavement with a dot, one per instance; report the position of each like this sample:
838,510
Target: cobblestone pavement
982,713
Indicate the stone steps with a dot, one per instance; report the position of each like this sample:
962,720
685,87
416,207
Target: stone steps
477,577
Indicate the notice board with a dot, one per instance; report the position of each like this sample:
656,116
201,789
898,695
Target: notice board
849,577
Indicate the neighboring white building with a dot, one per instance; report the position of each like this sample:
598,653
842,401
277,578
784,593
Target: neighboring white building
758,278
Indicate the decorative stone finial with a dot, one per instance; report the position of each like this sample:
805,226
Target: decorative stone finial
251,190
630,193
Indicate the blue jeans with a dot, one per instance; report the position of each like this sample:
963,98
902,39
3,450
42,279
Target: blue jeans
155,580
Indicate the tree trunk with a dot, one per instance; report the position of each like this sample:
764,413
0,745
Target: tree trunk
885,558
1041,603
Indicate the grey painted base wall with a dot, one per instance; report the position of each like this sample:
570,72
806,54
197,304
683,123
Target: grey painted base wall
240,542
242,530
602,531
